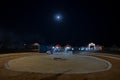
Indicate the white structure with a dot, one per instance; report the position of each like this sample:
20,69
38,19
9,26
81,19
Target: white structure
91,46
35,46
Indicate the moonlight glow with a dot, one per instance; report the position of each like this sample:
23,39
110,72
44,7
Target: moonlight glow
58,17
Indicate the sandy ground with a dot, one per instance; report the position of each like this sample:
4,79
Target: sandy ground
5,74
59,64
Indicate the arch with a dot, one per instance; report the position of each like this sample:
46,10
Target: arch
91,46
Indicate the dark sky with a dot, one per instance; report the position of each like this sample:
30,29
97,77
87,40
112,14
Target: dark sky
83,21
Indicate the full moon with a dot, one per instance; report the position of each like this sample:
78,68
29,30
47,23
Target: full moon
58,17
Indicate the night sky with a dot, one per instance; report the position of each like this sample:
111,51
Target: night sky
82,21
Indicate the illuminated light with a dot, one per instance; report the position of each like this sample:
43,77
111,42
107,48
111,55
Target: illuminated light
100,48
53,47
57,47
86,48
91,45
36,44
67,47
82,48
58,17
72,48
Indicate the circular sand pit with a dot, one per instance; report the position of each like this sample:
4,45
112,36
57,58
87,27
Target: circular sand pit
56,64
